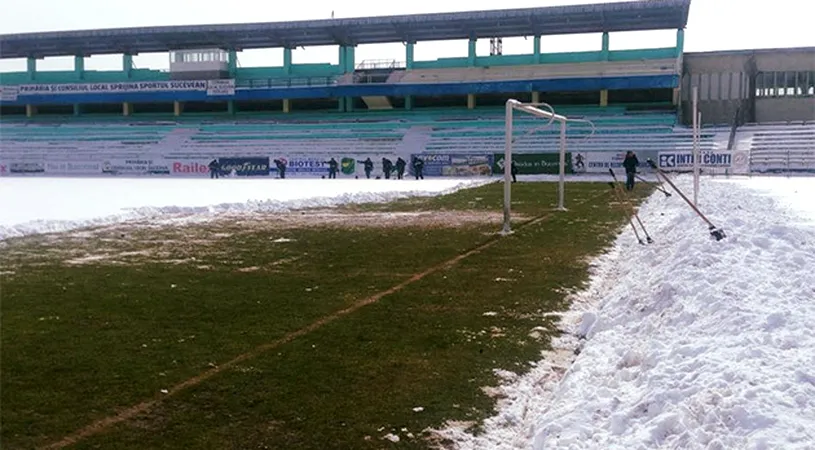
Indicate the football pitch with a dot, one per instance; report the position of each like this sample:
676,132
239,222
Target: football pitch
316,329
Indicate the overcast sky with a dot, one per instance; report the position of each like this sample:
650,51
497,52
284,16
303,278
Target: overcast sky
713,25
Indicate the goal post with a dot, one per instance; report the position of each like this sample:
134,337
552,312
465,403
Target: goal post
537,110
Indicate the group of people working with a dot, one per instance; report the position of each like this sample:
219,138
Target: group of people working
630,164
388,168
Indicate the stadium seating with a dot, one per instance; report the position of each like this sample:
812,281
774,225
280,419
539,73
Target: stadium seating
431,131
781,147
538,71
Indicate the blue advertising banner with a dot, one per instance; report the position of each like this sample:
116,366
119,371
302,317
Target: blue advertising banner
246,167
314,166
683,160
456,165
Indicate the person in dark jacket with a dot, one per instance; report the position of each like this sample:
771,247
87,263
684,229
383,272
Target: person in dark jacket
368,165
630,164
214,168
281,167
513,169
400,167
387,168
418,168
333,168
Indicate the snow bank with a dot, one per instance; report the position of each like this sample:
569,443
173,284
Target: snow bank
39,205
689,343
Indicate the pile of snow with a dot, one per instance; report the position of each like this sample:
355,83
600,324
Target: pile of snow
38,205
686,343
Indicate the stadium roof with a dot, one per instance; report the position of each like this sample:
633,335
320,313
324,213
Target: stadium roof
623,16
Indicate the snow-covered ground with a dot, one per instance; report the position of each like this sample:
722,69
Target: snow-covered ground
687,343
33,205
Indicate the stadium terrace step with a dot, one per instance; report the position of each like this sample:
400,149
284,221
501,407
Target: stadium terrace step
780,148
372,132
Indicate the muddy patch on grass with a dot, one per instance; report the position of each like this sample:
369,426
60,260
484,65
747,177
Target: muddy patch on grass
339,219
206,244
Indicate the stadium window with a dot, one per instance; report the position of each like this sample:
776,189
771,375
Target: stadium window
789,84
792,84
803,83
785,84
796,80
781,84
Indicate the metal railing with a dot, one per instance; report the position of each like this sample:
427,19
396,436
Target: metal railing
265,83
369,64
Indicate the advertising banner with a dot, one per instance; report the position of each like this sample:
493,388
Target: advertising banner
348,166
73,167
197,167
682,161
741,163
596,162
9,93
454,165
153,166
304,165
352,165
533,163
221,87
111,88
250,166
27,167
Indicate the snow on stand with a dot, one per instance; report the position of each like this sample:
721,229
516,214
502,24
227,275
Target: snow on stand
688,343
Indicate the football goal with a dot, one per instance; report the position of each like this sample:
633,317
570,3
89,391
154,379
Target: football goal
543,111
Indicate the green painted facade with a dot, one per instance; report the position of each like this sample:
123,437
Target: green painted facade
323,70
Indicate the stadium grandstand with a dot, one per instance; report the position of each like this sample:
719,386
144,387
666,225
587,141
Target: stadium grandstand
143,121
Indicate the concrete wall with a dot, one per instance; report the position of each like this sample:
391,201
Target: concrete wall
785,109
727,81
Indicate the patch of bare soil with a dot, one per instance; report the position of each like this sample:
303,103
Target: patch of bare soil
334,218
202,243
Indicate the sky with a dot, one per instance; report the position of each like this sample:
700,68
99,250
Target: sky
713,25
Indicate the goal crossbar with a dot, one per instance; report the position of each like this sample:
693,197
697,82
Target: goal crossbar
534,109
